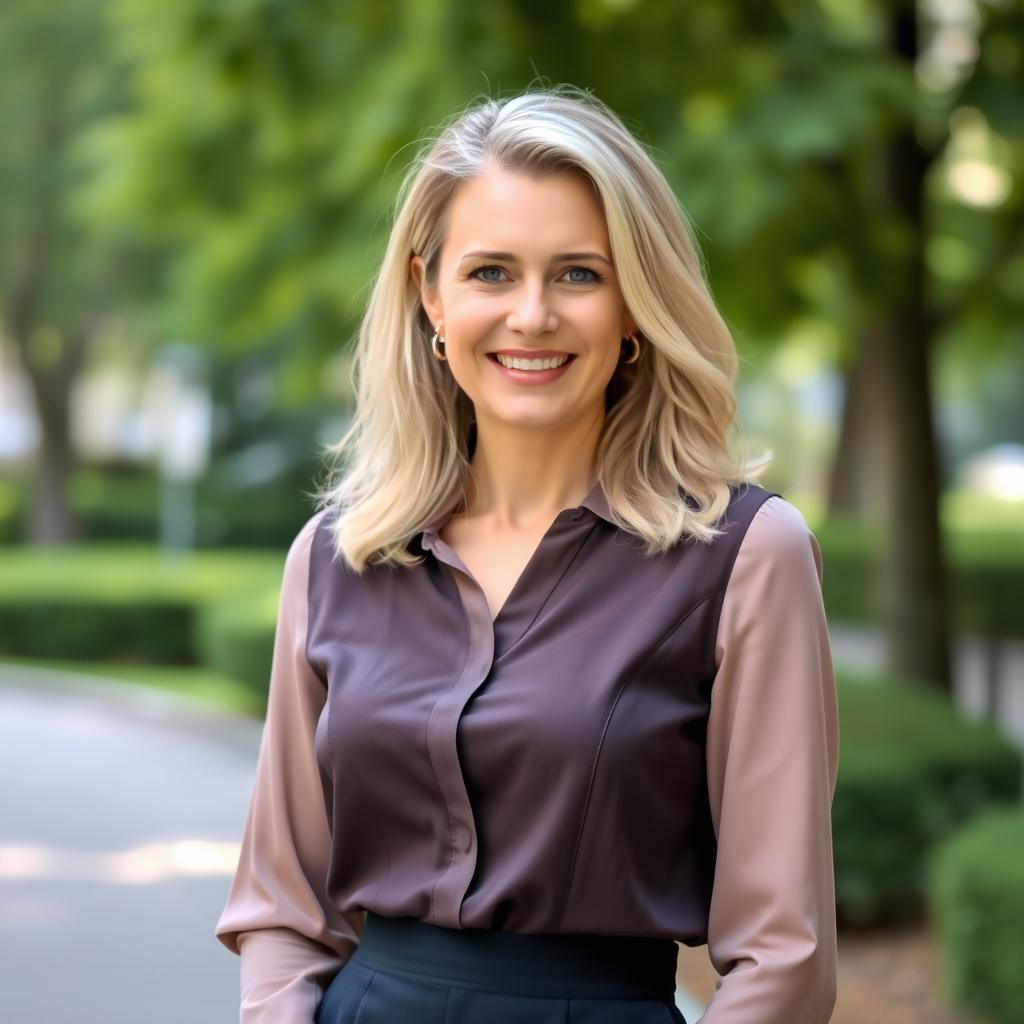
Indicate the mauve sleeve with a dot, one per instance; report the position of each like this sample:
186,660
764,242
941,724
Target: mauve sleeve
291,941
772,760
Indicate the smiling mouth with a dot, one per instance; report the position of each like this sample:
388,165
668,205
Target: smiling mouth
520,363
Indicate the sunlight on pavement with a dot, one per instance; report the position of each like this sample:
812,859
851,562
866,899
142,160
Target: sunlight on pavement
140,865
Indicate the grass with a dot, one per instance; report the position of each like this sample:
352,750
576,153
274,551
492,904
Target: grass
208,688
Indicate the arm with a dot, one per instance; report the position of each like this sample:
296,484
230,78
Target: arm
277,917
772,759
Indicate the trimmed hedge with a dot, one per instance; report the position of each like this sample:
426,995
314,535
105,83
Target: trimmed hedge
976,897
236,638
120,602
878,845
125,603
147,629
986,569
912,771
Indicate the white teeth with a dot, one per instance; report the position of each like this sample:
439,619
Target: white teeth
531,364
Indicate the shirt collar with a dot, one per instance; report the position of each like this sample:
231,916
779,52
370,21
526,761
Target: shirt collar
596,501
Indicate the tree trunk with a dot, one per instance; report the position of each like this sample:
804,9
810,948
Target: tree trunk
52,520
898,354
52,374
853,482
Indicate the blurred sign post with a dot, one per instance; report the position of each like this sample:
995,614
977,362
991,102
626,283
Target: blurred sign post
184,412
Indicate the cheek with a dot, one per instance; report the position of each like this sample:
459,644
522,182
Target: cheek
469,313
600,318
603,338
468,337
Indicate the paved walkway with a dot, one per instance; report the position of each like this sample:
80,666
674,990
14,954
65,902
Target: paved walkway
120,812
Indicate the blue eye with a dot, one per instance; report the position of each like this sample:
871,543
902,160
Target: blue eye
594,275
481,269
593,279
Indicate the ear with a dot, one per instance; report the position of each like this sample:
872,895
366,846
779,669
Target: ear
428,295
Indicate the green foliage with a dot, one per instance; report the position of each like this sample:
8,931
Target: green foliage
236,639
986,567
118,601
125,506
264,142
255,147
976,894
128,604
912,771
878,844
105,572
143,628
850,554
57,81
988,580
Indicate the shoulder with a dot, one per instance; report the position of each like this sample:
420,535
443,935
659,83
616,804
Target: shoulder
776,578
778,540
777,522
296,566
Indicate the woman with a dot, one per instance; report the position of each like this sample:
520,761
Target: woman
551,684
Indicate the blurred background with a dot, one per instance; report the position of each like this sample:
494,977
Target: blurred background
193,199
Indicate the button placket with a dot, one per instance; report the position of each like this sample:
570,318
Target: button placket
442,725
442,728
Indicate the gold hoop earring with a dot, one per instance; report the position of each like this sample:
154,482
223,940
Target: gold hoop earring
636,349
440,356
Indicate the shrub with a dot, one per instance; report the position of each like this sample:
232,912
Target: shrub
976,897
912,771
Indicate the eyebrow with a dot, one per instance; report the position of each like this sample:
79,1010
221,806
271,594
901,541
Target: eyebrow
509,257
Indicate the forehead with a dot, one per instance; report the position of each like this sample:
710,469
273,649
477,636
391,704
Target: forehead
501,209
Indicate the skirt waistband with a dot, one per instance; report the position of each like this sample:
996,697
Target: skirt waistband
559,966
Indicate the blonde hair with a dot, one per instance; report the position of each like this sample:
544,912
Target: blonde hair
406,452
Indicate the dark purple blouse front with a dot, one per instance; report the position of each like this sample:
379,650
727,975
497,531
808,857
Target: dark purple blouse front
634,745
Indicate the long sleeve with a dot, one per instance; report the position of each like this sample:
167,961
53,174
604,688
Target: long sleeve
772,759
277,918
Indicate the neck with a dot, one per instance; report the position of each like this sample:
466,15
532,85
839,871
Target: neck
522,478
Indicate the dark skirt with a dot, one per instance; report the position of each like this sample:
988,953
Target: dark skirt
406,971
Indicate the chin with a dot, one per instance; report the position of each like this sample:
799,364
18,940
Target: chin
535,418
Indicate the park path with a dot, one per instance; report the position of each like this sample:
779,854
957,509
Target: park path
120,812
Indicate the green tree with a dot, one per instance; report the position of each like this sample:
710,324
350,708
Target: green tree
58,281
801,135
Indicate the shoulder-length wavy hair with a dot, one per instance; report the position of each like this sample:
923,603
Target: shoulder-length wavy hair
663,458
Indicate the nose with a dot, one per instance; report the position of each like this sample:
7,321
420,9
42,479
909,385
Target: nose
531,312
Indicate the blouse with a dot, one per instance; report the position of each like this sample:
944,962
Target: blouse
634,745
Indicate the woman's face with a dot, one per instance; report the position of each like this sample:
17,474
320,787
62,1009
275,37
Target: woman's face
525,272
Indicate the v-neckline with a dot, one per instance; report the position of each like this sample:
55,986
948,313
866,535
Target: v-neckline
517,583
507,633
